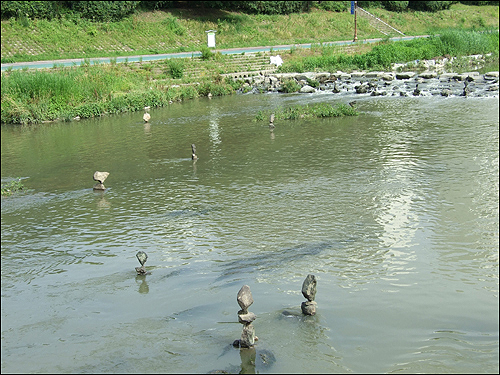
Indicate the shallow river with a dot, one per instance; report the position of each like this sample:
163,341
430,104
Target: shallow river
395,211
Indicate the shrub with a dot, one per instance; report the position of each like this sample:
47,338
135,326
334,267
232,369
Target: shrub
370,4
335,6
430,6
266,7
396,6
206,54
31,9
173,26
290,85
312,82
104,10
176,67
12,187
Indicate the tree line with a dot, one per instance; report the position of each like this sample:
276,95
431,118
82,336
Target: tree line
105,11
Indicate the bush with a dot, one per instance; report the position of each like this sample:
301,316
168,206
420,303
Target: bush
176,67
206,54
104,10
290,85
12,187
430,6
396,6
173,26
370,4
270,7
335,6
31,9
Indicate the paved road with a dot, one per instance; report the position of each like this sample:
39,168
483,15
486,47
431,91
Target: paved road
230,51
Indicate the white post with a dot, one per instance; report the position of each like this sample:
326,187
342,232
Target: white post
211,38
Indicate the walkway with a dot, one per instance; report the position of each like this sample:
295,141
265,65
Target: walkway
229,51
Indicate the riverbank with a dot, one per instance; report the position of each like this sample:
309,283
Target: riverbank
434,80
184,30
30,97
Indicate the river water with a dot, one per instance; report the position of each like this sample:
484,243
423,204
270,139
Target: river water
394,211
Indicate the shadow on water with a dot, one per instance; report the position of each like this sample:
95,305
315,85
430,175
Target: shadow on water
254,360
274,259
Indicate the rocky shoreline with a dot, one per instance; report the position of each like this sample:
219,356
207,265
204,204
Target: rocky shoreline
433,81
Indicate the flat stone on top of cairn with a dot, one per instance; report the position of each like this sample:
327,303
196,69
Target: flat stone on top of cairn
142,257
100,177
246,318
309,292
244,298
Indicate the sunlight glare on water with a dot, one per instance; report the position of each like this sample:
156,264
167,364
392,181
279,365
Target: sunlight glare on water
395,211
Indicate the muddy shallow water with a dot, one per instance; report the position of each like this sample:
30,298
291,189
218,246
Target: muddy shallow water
394,211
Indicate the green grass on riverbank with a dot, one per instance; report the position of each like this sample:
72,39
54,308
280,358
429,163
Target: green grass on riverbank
85,91
183,30
308,111
451,42
30,97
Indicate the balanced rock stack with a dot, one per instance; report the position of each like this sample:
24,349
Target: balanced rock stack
193,152
100,177
309,292
246,318
142,257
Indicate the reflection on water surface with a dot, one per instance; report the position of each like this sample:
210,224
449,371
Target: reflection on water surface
395,212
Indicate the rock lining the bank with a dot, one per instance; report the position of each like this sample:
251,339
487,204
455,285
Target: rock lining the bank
433,81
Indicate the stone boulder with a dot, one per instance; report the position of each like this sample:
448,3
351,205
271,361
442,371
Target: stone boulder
307,89
405,75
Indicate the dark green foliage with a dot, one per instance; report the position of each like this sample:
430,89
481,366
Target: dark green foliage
312,82
155,5
176,67
216,89
272,7
290,85
370,4
480,2
172,24
396,6
206,53
104,10
335,6
31,9
12,187
430,6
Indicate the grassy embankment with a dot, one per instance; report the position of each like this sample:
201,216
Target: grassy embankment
93,90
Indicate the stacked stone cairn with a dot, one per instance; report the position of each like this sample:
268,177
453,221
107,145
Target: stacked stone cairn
100,177
142,257
193,152
309,292
246,318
